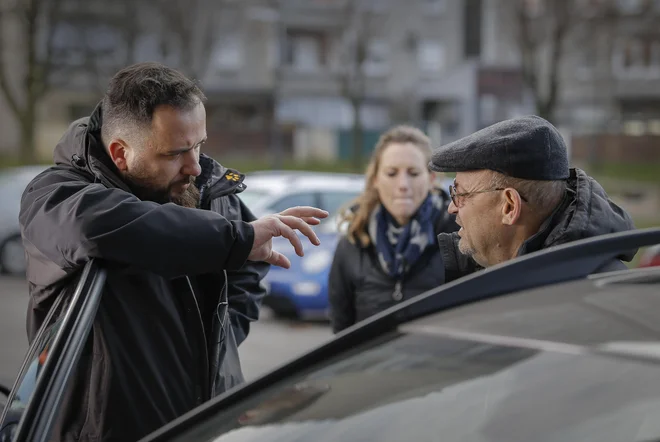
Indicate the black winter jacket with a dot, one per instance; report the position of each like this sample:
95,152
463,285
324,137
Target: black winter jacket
358,287
161,343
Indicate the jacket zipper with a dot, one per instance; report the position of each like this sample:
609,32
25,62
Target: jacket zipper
204,395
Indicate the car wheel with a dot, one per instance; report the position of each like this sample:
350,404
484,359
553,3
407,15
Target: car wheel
12,256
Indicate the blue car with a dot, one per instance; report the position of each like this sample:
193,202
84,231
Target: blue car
302,291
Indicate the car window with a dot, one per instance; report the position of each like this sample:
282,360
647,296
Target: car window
333,201
292,200
51,360
27,378
252,197
417,387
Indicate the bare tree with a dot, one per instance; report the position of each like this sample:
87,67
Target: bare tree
36,22
191,29
356,38
542,36
548,31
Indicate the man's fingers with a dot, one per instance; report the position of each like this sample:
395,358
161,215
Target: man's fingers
305,212
311,221
304,228
288,232
277,259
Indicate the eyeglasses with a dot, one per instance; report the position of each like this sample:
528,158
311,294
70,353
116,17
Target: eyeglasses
459,197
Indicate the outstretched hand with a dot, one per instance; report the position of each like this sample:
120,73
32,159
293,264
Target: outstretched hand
284,224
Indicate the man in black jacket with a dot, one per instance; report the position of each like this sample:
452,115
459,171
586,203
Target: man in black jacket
184,255
514,194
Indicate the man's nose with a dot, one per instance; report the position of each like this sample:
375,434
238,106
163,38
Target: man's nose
192,166
452,208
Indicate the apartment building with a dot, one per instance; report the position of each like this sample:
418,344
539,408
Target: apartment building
282,76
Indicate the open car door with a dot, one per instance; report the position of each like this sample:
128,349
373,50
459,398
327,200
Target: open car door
33,403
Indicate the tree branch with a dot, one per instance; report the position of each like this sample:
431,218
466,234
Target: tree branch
528,49
4,75
561,26
47,66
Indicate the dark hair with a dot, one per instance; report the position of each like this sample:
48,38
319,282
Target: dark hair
137,90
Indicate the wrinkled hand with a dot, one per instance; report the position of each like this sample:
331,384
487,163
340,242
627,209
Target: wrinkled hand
284,224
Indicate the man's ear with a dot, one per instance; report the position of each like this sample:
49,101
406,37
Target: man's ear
119,152
512,207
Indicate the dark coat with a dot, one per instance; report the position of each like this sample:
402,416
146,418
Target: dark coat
161,343
358,287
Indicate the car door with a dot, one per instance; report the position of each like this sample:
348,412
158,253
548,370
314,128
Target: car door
33,403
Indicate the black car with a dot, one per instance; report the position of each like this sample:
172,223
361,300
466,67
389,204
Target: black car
537,349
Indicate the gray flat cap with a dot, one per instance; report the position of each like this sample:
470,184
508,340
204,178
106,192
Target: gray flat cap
526,147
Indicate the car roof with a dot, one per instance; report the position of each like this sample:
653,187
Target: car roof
22,172
281,181
616,311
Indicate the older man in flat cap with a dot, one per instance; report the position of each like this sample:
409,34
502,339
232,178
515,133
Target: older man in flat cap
515,194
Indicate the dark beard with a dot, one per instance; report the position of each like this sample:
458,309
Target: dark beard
189,198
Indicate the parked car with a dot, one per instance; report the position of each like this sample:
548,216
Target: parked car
12,184
302,291
536,348
274,191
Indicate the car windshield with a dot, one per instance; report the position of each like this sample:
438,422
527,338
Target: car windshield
417,387
252,197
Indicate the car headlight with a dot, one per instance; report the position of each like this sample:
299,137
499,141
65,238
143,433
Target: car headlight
317,261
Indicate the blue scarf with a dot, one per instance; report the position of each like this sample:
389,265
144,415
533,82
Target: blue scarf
399,247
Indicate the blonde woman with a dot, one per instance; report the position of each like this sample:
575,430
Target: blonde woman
389,252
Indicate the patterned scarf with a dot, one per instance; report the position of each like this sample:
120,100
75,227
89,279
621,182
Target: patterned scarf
399,247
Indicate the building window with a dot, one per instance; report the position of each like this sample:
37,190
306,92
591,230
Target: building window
305,50
229,53
472,28
431,56
630,6
434,7
374,6
587,60
377,58
637,57
634,128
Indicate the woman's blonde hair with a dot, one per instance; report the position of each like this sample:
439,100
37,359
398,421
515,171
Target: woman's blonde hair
358,211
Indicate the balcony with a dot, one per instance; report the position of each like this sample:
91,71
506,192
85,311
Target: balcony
322,81
635,87
313,14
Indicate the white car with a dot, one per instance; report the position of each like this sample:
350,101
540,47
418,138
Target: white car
274,191
12,184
